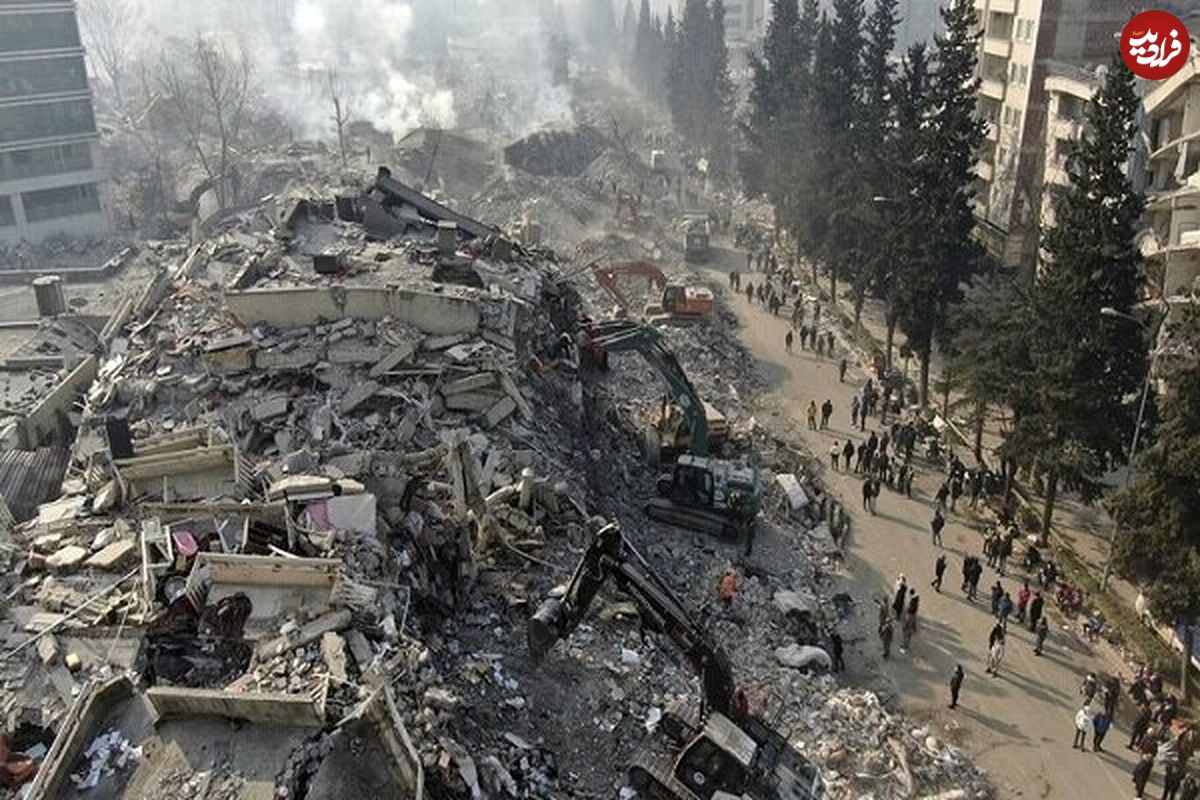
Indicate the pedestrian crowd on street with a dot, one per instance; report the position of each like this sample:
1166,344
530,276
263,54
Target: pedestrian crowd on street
1157,735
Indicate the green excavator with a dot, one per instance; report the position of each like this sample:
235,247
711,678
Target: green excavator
700,492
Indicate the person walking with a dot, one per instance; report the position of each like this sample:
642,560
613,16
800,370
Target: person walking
1023,601
826,413
1141,775
836,651
1083,724
997,594
976,574
1035,610
956,680
842,371
1042,630
868,488
935,527
749,291
939,569
1141,724
787,341
885,637
847,453
834,453
855,405
956,490
995,656
812,415
940,498
899,597
874,495
1100,725
1005,610
908,629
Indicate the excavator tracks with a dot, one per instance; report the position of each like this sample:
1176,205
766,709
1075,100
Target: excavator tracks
711,522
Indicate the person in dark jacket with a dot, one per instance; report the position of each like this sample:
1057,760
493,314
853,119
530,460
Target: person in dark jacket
1141,775
1035,610
1141,723
1100,725
939,569
956,681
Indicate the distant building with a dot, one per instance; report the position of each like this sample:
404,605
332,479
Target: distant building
920,21
1021,41
50,178
1172,243
745,20
1069,89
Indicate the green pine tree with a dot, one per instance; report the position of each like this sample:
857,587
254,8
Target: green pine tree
1158,543
930,285
1086,365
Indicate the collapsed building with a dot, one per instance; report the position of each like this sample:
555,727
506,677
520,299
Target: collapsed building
319,481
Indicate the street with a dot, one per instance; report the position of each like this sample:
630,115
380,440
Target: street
1018,725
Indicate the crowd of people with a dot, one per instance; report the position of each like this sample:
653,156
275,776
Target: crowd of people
884,457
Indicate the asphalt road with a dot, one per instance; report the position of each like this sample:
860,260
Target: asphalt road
1019,725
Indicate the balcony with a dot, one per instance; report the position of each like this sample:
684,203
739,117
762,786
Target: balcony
983,171
992,87
996,46
992,132
1003,6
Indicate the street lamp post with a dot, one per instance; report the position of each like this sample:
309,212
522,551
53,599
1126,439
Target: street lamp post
1108,311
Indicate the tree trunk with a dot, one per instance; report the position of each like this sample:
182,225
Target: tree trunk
980,415
1010,474
891,338
833,286
1048,507
859,298
814,269
946,396
923,393
1185,663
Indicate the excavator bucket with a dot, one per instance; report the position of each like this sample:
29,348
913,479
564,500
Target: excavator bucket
543,628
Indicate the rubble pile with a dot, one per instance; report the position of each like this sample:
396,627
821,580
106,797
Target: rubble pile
555,152
325,474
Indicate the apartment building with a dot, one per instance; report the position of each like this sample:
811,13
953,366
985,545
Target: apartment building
1172,241
1021,41
1068,89
50,176
745,20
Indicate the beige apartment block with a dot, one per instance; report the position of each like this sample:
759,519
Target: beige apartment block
51,180
1023,43
1172,243
1069,90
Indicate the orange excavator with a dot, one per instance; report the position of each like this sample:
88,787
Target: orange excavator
676,302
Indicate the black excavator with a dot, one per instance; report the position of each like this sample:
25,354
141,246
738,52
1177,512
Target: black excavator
724,754
699,492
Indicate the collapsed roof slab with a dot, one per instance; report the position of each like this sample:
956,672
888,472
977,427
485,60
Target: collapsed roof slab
294,307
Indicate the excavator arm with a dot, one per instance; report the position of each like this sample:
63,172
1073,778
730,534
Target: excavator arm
611,556
619,335
609,278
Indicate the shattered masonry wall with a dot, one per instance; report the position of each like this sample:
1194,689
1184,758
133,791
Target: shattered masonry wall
291,307
43,420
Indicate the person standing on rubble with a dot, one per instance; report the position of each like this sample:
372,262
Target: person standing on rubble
836,651
956,681
727,588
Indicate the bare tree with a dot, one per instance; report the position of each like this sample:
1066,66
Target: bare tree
341,111
208,89
111,31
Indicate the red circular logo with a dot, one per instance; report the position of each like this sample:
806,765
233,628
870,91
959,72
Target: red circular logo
1155,45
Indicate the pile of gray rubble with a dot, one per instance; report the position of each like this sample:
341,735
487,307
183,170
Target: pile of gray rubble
324,474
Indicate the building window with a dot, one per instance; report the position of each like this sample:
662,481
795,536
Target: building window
22,32
65,201
1023,72
7,217
1070,107
42,76
1001,156
46,120
38,161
